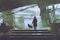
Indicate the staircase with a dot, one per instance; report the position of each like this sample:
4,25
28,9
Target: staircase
31,32
30,35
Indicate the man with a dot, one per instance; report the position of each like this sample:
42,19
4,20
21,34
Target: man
35,22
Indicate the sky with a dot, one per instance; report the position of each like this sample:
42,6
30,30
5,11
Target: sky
57,8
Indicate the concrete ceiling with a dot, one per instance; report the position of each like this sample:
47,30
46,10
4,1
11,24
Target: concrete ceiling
11,4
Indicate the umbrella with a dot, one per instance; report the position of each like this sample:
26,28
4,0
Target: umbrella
29,26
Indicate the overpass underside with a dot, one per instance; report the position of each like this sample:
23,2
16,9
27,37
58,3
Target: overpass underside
11,4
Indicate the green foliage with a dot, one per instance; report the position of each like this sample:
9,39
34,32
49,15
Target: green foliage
8,17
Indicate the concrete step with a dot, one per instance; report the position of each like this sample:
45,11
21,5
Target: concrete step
30,33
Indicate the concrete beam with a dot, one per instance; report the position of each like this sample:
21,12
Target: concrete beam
11,4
